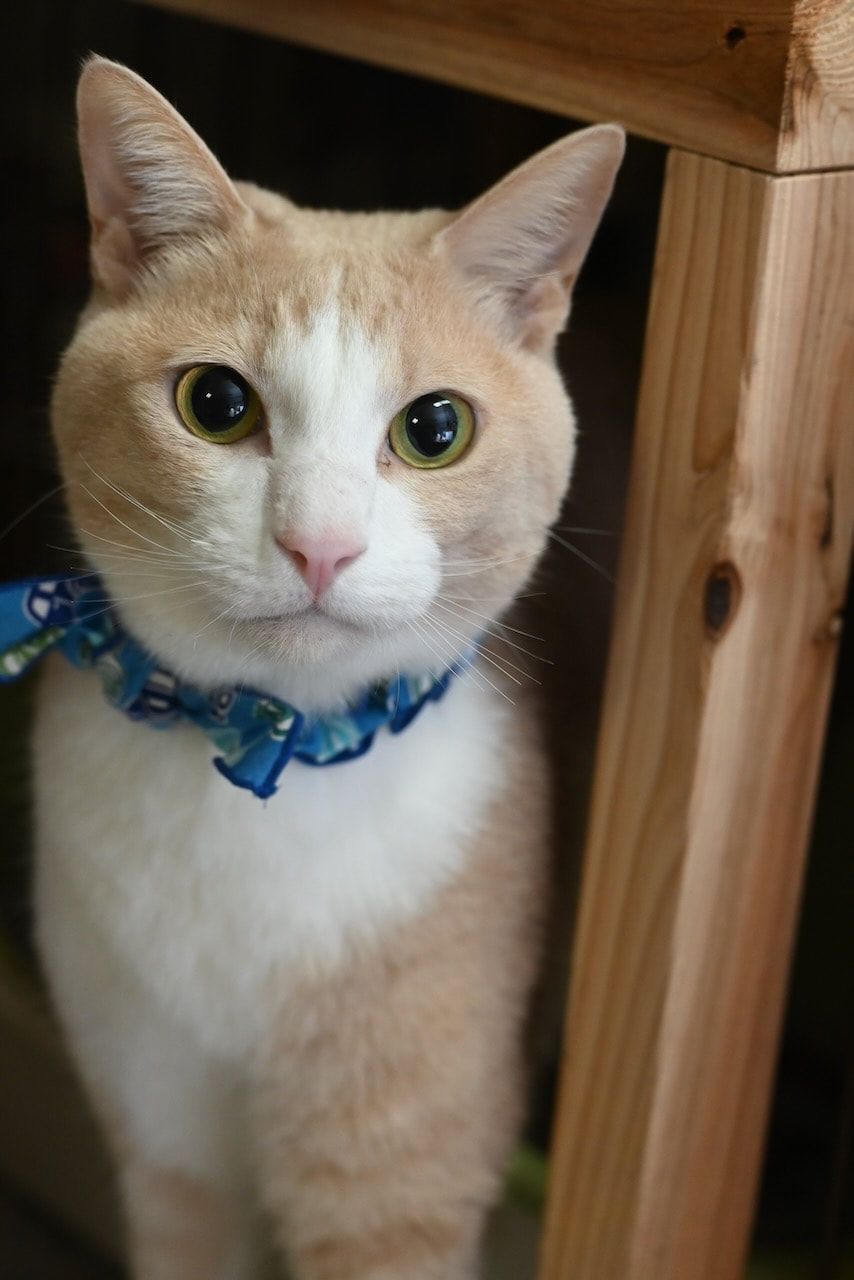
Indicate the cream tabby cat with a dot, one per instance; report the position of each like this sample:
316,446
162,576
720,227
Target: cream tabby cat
305,1012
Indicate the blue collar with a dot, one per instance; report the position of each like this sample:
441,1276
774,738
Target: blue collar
256,735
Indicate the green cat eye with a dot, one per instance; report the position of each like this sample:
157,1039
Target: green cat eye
217,403
433,430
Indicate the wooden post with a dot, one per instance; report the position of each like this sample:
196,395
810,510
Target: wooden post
733,575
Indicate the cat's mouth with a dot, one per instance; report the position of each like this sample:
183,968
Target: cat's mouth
304,615
316,621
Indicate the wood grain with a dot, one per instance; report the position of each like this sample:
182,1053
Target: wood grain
769,85
743,474
817,121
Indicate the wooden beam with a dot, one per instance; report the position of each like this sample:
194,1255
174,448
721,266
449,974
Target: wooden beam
769,85
817,120
734,571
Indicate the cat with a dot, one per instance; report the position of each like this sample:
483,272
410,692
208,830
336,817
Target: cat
306,452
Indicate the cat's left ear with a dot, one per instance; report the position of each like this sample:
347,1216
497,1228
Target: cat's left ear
150,180
521,245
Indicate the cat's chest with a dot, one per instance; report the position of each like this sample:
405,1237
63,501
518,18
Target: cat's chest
216,898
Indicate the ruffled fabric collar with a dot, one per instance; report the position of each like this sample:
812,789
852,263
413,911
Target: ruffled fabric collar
255,735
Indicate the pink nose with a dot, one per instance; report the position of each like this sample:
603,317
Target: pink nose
319,560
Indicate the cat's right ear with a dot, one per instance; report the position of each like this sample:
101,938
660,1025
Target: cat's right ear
522,244
150,180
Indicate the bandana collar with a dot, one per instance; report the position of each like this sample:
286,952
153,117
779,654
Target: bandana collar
256,735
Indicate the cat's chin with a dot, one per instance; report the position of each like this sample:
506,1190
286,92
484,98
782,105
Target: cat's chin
318,663
304,630
302,619
314,641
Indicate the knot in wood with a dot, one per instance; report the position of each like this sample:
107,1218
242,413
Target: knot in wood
721,598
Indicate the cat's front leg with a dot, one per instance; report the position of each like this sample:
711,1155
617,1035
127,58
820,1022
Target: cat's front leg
372,1163
392,1091
184,1226
172,1115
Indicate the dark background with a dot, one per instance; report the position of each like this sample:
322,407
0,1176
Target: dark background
335,133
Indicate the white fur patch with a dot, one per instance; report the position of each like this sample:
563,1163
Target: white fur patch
216,901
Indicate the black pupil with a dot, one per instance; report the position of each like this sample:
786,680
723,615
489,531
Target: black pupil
431,424
219,398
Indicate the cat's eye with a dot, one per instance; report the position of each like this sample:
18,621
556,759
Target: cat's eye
217,403
433,430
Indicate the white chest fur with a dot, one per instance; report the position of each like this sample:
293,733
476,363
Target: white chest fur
216,899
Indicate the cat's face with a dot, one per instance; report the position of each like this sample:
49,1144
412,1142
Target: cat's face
328,537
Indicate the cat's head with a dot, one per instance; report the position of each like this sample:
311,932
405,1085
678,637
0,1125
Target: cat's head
305,450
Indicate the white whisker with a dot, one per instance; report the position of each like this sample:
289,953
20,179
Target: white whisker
170,558
85,571
210,623
112,604
489,655
482,566
149,564
118,519
231,632
34,506
148,595
477,672
502,600
450,600
467,672
605,533
128,497
581,555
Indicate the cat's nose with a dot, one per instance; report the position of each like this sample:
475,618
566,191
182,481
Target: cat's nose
320,560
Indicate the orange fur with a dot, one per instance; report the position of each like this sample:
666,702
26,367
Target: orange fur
382,1063
180,1227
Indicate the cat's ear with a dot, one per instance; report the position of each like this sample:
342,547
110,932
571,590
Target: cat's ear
150,180
521,245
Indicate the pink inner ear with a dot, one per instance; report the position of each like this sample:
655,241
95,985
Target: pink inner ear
115,257
107,189
523,242
149,177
